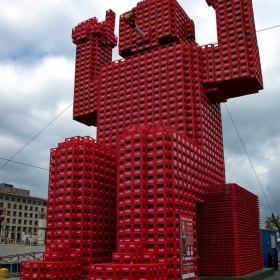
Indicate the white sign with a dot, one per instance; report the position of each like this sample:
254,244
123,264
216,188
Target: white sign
273,241
189,275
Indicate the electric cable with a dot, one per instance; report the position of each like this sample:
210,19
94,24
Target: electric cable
248,158
264,29
72,104
24,164
268,28
36,136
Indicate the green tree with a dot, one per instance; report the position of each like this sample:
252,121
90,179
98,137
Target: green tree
270,223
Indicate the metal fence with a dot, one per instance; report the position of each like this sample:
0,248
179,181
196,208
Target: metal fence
12,262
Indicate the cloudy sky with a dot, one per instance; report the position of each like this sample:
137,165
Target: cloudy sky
37,60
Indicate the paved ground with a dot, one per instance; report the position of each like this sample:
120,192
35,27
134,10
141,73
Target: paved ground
276,276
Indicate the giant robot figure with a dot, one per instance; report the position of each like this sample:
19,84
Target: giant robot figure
158,119
165,79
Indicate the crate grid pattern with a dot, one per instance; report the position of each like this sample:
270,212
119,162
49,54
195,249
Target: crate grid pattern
221,219
94,41
158,120
162,22
155,188
81,208
234,62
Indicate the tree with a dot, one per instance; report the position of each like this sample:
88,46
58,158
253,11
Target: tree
270,223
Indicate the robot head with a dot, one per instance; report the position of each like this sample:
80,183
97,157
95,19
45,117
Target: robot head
162,22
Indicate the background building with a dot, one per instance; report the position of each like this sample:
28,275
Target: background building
21,210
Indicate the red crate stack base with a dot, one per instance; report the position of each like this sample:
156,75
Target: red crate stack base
228,232
161,177
38,270
81,205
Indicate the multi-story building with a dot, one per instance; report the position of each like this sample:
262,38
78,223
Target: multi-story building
21,210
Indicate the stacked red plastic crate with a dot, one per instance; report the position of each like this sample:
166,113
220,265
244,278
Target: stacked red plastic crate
38,270
81,208
94,42
159,108
161,177
228,232
162,22
233,65
164,78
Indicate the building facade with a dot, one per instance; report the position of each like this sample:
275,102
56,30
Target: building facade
21,211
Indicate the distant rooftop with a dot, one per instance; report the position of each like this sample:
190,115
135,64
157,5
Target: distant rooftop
11,190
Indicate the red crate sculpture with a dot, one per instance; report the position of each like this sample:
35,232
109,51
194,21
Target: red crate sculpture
166,78
157,113
81,210
224,226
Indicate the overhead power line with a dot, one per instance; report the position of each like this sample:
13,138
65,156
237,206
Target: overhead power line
267,28
271,27
248,158
35,136
24,164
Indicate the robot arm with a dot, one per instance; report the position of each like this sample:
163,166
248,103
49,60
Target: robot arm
95,41
233,66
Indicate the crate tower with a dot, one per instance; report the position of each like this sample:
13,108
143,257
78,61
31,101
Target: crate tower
157,110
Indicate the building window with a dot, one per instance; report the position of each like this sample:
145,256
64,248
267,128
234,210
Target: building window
39,202
30,223
1,204
20,214
15,206
44,203
25,215
20,207
13,198
14,213
18,199
29,201
9,205
36,209
36,216
31,208
30,215
8,220
19,221
42,210
35,223
25,222
23,200
7,198
8,213
34,201
25,208
13,228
